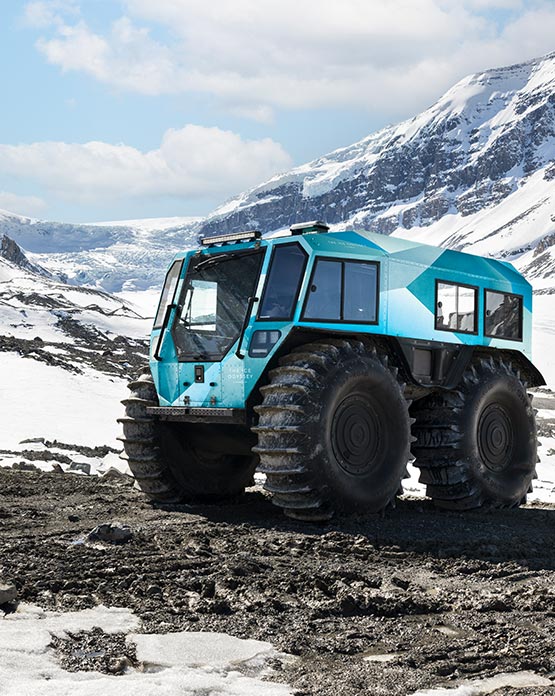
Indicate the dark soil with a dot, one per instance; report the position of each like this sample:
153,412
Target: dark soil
89,348
450,596
95,651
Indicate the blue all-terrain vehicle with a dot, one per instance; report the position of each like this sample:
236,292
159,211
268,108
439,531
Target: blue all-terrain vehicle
325,360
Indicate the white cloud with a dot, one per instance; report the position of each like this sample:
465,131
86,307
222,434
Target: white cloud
43,13
493,4
126,57
392,57
23,205
192,162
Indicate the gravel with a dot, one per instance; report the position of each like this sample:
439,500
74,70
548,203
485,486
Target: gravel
390,604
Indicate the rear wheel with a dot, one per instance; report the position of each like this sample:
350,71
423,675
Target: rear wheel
476,446
333,431
163,460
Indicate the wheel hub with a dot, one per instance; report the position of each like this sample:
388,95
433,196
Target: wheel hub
495,437
355,434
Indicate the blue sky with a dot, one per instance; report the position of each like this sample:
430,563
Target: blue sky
123,109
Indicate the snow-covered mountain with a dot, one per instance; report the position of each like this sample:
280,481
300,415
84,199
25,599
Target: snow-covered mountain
114,256
475,171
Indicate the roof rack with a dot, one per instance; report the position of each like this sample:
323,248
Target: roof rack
307,227
248,236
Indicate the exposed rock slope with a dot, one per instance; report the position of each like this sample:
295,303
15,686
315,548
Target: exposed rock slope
474,171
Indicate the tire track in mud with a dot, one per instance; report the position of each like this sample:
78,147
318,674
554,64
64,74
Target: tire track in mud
378,604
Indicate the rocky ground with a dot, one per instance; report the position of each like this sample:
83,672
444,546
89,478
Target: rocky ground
386,604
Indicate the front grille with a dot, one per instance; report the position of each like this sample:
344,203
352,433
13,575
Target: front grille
188,413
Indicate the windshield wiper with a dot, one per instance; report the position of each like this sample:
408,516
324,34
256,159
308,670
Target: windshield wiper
200,356
217,258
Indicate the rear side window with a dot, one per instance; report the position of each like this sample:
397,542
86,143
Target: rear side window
360,292
284,282
168,292
503,315
324,293
343,291
456,307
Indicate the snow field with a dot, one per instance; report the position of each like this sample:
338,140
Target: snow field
38,400
174,664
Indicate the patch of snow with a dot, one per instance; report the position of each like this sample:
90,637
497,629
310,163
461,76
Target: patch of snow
150,224
188,664
195,649
477,687
543,337
380,657
38,400
145,302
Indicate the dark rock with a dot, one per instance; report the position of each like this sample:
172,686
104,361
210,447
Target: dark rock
153,591
400,582
24,466
80,466
8,593
111,533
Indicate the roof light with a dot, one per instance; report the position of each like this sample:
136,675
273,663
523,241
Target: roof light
307,227
247,236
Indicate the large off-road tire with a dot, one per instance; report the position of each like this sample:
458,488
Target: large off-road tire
333,431
165,465
476,446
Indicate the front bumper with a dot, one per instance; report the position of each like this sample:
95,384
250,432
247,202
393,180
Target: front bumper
192,414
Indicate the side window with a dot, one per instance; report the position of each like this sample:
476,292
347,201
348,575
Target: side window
262,343
324,293
343,291
284,282
168,292
503,315
360,292
456,307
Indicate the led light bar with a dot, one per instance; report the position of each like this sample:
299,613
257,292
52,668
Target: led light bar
247,236
307,227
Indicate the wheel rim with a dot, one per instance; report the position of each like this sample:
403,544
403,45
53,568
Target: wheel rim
495,437
356,435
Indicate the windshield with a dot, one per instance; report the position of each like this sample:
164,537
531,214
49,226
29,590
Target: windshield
213,304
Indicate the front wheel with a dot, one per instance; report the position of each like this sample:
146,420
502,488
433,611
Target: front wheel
166,464
334,431
477,446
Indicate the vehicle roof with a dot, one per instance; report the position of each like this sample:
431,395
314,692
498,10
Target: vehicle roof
402,250
408,251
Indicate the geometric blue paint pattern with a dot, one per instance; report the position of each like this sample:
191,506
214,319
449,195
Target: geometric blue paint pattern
408,274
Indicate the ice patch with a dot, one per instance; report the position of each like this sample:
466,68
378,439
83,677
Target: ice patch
380,657
477,687
217,650
184,664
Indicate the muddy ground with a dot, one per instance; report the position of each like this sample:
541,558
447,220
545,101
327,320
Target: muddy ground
444,596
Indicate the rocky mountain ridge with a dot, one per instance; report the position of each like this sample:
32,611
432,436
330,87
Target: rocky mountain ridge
11,252
467,151
475,171
478,165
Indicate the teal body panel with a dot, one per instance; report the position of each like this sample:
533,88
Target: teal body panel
406,309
